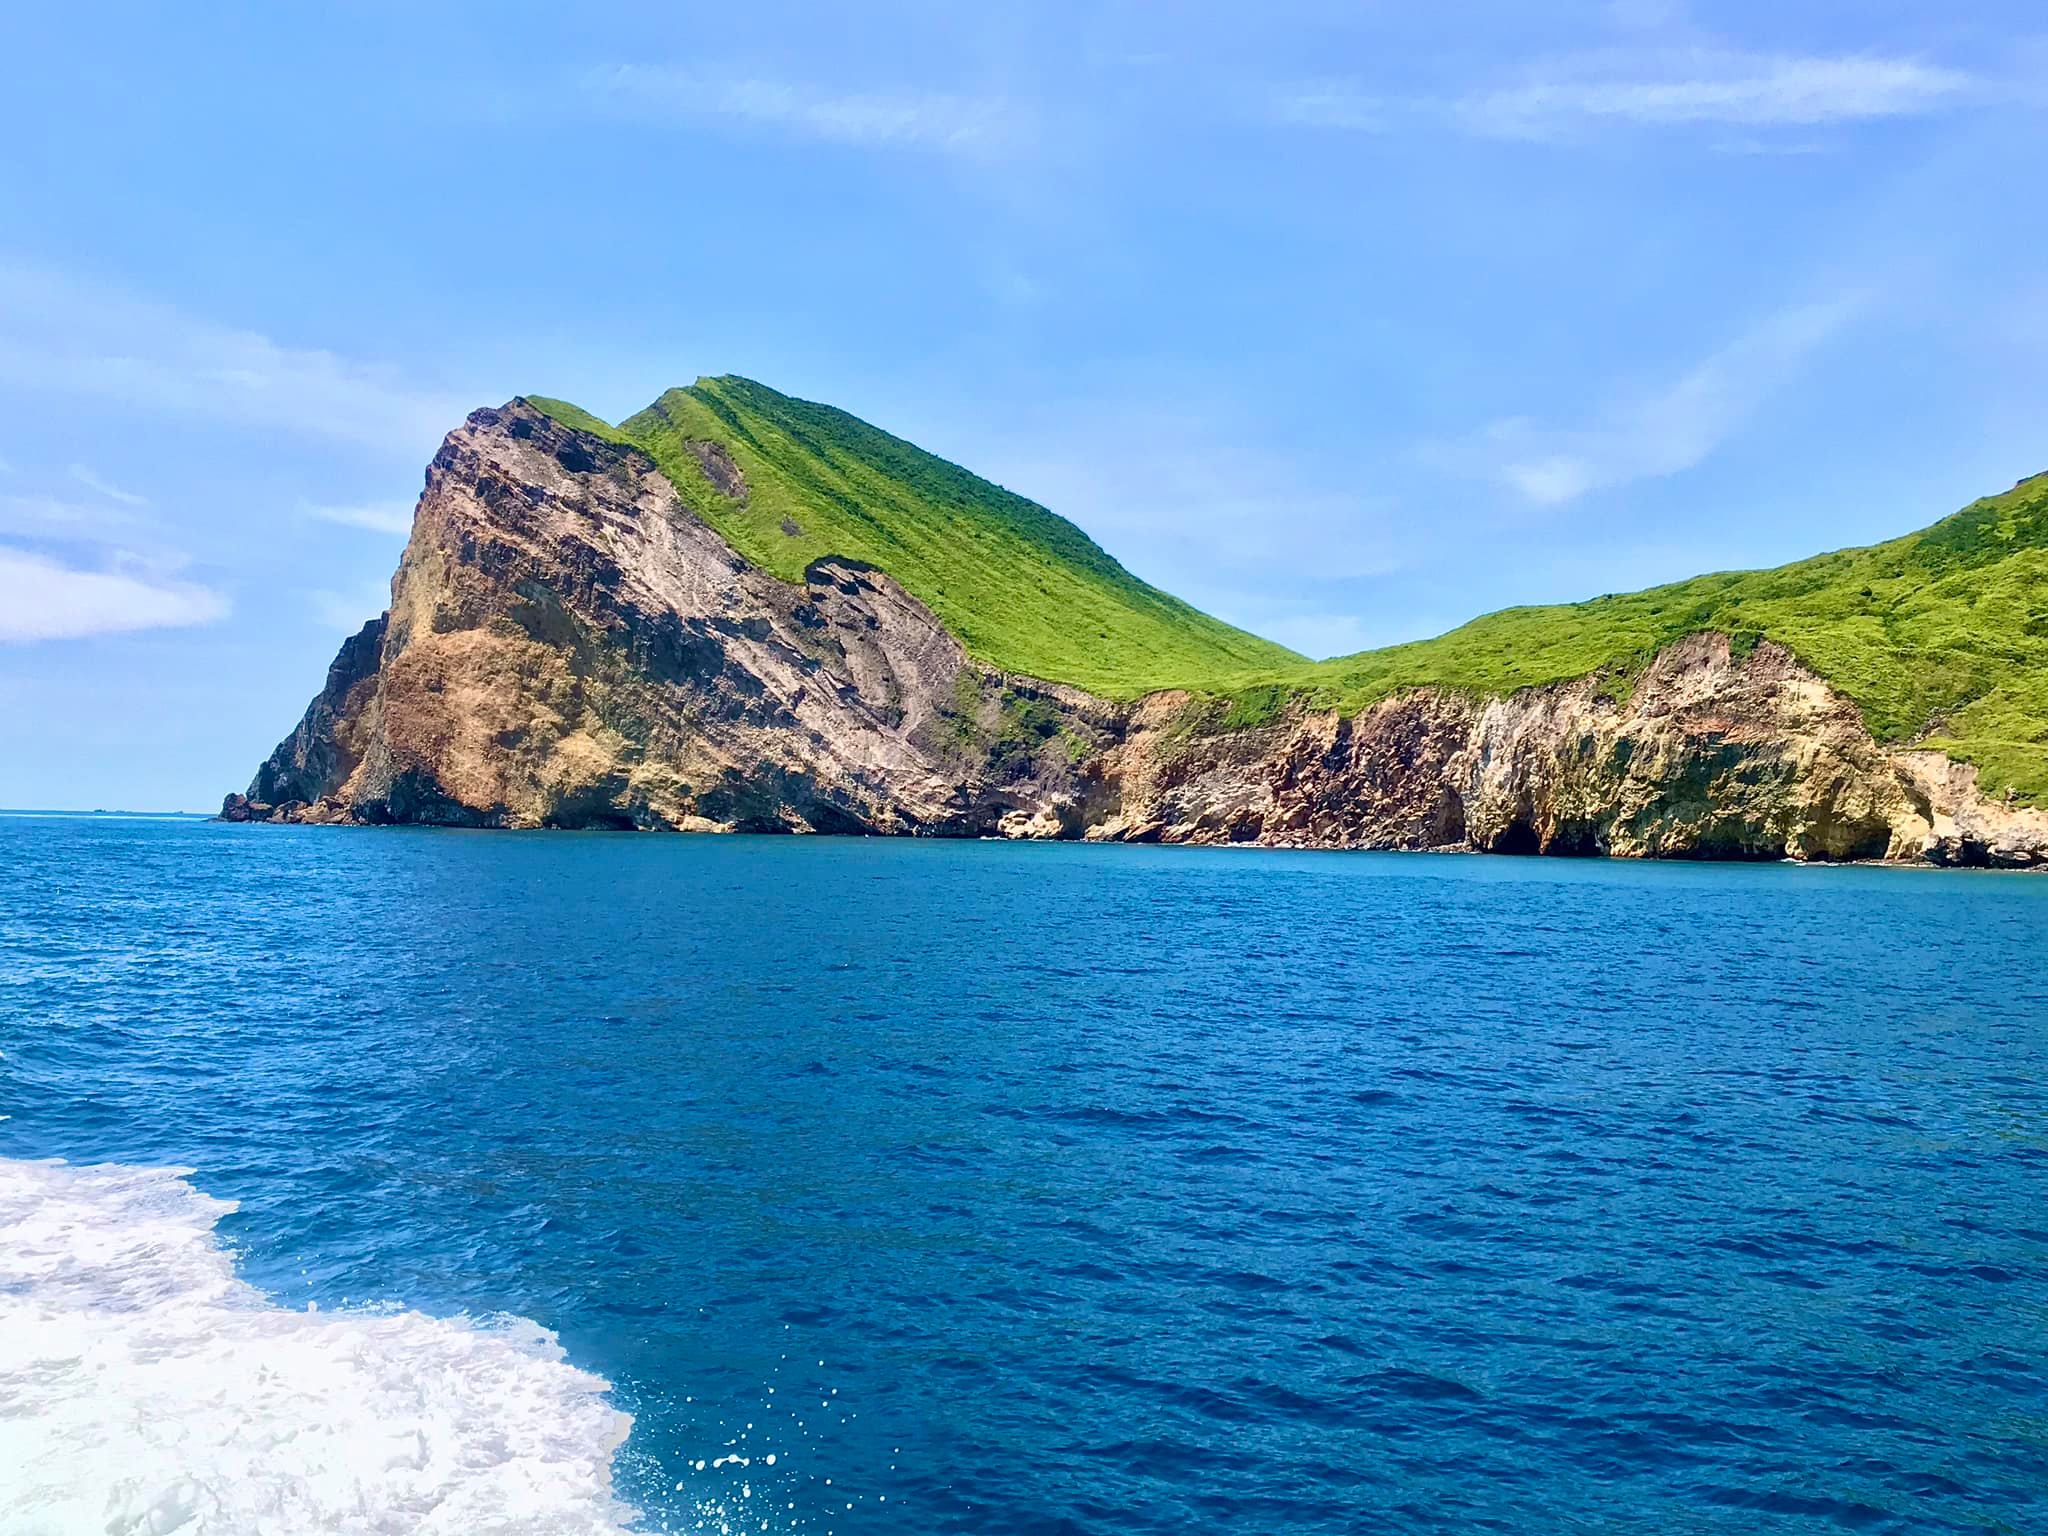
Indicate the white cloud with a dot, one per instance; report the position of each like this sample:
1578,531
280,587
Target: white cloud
42,599
1712,87
59,335
54,516
377,516
1750,93
93,482
939,121
1550,481
1661,431
1334,104
1759,144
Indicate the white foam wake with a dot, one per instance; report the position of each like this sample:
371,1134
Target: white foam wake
145,1390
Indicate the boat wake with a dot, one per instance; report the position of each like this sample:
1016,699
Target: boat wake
145,1389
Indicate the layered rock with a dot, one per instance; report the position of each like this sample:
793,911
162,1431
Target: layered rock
569,645
1706,754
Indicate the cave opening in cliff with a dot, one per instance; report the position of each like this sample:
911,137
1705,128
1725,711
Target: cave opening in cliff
1518,837
824,816
1574,841
607,820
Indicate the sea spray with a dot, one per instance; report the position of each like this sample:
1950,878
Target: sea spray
144,1389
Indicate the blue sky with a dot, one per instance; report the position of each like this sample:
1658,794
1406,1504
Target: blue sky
1347,323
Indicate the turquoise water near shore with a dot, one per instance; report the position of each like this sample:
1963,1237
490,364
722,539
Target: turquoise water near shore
1014,1188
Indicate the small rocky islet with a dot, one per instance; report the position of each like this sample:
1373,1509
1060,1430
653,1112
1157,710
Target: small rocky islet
742,612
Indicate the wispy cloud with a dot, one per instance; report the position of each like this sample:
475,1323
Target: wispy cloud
936,121
1194,500
1763,145
59,334
1195,503
1722,89
45,599
93,482
1663,431
90,557
377,516
45,516
1337,104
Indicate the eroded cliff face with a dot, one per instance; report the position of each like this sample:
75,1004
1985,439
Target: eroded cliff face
1707,755
568,645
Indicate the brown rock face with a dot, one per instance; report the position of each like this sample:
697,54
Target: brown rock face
327,745
1709,756
569,646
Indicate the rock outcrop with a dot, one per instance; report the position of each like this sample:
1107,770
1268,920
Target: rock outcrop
1707,755
568,645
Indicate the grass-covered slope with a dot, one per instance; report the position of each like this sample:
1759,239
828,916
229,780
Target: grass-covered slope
1940,637
1024,590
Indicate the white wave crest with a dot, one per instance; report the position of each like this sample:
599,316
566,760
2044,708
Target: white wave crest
145,1390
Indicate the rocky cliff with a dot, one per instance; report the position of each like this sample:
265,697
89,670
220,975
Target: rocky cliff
1705,755
570,645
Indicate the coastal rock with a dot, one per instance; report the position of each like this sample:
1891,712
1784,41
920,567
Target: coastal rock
1706,755
568,645
1044,823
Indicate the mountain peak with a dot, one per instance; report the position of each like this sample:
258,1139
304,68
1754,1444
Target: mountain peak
1025,590
573,641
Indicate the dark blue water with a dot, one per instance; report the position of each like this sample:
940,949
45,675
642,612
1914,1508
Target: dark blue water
1059,1189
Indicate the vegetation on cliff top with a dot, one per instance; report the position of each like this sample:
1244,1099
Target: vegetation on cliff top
1024,589
1940,637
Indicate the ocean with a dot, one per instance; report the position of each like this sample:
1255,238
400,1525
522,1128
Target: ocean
401,1180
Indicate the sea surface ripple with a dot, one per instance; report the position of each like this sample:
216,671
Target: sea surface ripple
905,1186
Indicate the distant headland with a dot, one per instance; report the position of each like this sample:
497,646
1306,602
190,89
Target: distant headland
737,611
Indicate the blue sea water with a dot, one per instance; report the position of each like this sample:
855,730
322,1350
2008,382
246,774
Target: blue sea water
1054,1189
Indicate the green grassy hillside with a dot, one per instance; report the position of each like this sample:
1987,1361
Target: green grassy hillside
1940,636
1024,590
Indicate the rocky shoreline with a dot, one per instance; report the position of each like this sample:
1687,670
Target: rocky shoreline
569,646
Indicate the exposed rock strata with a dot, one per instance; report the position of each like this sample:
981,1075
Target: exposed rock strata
1708,755
568,645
